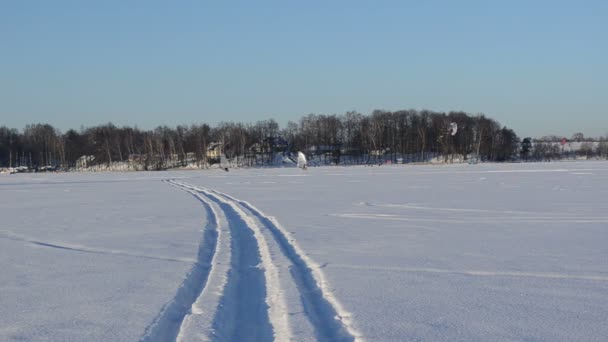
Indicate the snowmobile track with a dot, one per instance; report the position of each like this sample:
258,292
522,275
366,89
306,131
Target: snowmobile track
252,306
166,326
234,290
328,319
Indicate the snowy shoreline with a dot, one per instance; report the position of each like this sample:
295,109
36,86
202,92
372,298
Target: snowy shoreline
431,252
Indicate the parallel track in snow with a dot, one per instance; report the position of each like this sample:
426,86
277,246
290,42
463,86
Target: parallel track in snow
235,292
167,325
330,320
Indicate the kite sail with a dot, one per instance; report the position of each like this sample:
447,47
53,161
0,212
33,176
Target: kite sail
302,164
453,128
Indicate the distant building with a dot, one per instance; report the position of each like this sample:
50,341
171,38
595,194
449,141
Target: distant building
564,149
214,150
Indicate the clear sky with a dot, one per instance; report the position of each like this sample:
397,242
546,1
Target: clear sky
539,67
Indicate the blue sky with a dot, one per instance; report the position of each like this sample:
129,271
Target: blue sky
539,67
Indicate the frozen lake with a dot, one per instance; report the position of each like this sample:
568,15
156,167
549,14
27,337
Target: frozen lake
392,253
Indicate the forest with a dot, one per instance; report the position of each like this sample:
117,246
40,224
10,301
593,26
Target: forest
352,138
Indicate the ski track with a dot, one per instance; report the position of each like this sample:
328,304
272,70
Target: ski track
459,210
478,273
85,249
246,291
479,220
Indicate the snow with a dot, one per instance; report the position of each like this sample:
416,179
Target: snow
434,253
90,258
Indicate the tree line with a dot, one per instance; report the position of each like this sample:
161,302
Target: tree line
554,147
399,136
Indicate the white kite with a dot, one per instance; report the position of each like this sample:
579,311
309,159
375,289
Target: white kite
302,164
453,128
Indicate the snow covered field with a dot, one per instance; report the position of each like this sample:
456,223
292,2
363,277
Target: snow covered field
392,253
